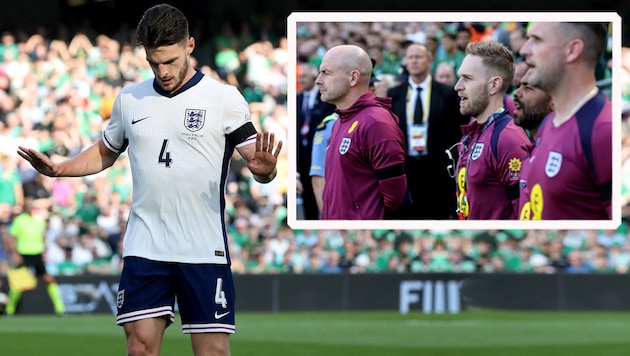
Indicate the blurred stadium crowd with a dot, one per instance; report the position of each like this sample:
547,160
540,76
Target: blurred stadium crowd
56,94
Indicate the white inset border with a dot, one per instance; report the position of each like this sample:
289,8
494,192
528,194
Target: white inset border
310,17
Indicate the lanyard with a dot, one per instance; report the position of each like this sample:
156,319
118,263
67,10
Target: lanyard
500,111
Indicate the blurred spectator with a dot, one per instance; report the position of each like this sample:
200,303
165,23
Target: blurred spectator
509,250
306,238
619,258
557,256
279,244
109,222
601,265
445,74
55,254
463,37
393,53
88,212
37,188
8,46
82,249
433,44
518,36
101,264
226,59
540,263
68,267
610,237
577,263
11,190
449,52
520,67
315,263
332,262
500,32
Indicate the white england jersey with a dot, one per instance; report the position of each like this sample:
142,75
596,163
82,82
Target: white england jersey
179,148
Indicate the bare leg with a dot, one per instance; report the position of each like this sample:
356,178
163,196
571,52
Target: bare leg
144,337
211,344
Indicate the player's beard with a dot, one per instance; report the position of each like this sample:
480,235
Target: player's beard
178,80
532,115
476,105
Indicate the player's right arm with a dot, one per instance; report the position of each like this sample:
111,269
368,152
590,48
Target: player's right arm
91,160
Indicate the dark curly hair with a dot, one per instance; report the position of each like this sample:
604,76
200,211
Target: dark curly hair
162,25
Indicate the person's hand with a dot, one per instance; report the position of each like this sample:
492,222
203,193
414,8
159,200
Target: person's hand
39,161
263,163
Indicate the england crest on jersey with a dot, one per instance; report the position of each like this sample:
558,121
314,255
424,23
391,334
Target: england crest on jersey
345,145
554,162
476,151
194,119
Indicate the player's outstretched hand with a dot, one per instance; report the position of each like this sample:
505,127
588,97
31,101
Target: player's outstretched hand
39,161
263,163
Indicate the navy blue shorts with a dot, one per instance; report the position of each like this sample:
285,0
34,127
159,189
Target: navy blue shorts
204,294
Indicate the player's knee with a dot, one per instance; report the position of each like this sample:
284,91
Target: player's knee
211,344
136,350
222,349
142,341
141,347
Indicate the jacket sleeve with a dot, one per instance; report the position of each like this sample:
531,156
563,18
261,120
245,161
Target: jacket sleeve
387,156
394,192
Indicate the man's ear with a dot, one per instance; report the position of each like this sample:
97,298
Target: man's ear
494,84
190,45
355,75
574,49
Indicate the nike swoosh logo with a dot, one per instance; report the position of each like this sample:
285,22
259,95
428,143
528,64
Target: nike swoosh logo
133,122
219,316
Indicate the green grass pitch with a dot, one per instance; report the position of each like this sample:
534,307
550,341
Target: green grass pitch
473,332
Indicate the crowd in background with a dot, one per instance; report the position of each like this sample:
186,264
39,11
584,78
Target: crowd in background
56,95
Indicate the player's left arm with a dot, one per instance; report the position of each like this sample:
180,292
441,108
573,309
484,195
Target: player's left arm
387,156
262,156
255,147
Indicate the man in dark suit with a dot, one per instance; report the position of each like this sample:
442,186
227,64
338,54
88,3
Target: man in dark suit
429,130
310,113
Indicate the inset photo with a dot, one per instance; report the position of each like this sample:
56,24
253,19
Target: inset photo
449,120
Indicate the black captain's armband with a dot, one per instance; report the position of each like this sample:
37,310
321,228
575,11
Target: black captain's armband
390,172
605,190
124,146
241,134
512,191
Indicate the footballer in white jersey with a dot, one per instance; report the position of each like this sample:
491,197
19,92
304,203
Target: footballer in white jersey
196,132
180,130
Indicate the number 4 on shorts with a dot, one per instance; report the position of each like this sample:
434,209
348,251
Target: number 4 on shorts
219,294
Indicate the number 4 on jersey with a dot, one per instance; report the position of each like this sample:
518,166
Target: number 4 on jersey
165,157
